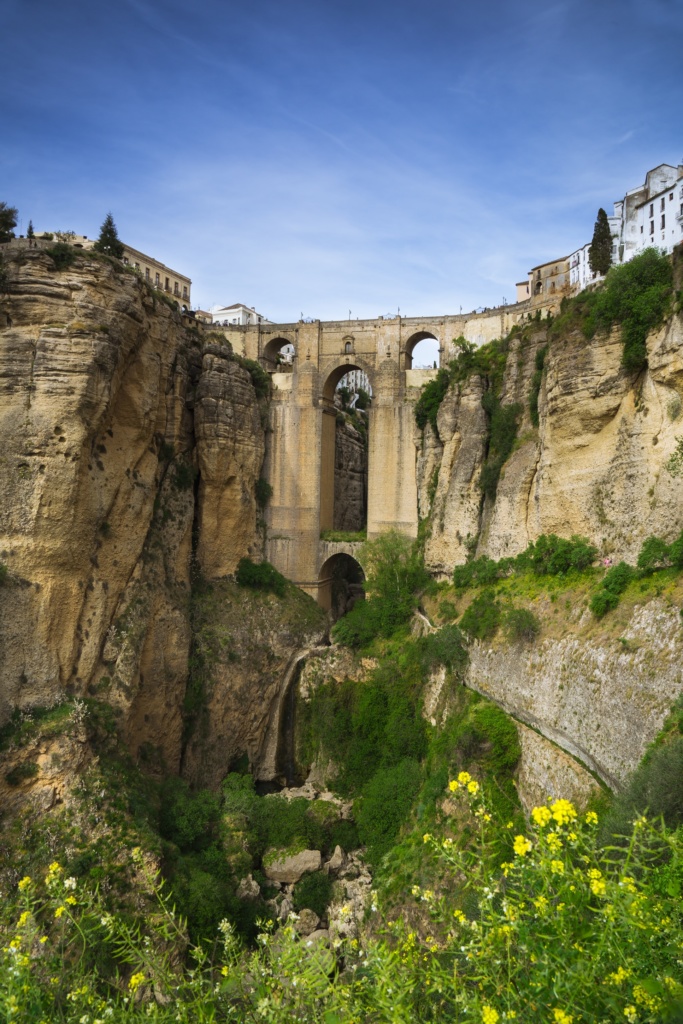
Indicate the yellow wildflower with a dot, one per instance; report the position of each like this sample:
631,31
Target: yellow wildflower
71,900
591,818
59,911
521,846
616,978
459,916
426,837
541,816
554,841
43,939
453,785
463,779
628,883
560,1017
557,867
630,1013
24,883
23,919
489,1015
563,812
473,787
541,904
225,972
135,981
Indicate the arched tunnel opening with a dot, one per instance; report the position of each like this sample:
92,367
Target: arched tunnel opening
340,584
423,352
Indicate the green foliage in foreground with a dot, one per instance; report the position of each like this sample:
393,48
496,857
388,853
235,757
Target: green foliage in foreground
636,295
260,576
560,933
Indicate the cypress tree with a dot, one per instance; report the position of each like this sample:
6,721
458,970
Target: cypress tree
30,233
600,252
109,242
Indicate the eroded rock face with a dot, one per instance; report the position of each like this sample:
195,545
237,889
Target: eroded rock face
600,698
107,407
595,466
230,450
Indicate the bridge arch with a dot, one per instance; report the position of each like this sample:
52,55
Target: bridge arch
429,352
278,353
351,512
340,583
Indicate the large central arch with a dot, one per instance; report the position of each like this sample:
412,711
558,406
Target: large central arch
413,341
340,583
330,414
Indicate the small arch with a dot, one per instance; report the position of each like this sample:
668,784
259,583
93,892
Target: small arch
539,287
335,376
422,351
279,354
340,584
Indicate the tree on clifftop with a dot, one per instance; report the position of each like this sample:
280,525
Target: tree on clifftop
8,220
600,252
109,242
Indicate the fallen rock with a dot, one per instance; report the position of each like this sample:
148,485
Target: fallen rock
286,908
307,923
321,935
336,862
282,867
248,889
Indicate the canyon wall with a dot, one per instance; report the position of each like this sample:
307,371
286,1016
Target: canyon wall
595,465
350,479
113,417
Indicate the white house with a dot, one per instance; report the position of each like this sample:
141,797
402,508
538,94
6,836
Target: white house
237,314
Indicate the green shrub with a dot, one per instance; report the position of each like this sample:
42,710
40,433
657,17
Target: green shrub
503,423
603,601
482,618
313,891
62,254
636,295
653,555
445,647
259,377
184,475
385,805
190,820
260,576
536,381
27,770
447,610
431,396
554,556
263,492
521,624
344,833
676,552
655,788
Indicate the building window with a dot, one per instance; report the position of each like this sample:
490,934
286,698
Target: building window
146,273
167,285
671,195
661,203
652,209
663,221
156,280
176,289
652,227
641,229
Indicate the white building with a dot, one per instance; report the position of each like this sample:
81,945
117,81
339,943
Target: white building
649,215
237,314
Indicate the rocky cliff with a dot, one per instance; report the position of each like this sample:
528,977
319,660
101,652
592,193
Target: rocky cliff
121,430
350,478
594,466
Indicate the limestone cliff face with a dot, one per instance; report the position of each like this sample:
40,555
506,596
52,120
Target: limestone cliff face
350,479
601,695
595,465
108,407
247,648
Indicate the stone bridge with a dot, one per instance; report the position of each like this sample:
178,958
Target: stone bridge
300,453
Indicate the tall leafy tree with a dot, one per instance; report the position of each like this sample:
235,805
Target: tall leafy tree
8,221
109,242
30,233
600,252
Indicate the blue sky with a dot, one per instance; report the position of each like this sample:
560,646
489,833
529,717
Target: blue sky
315,157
